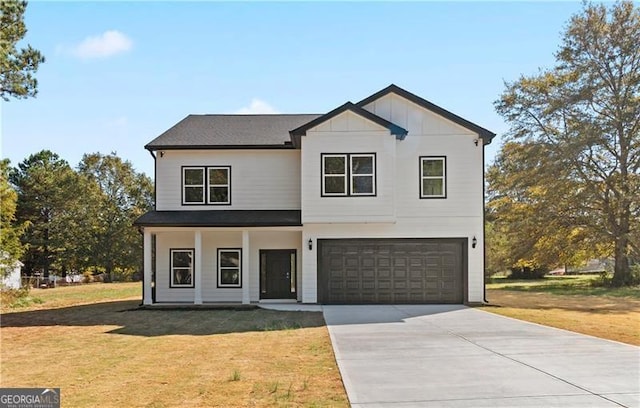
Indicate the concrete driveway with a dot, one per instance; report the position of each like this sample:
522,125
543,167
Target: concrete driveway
454,356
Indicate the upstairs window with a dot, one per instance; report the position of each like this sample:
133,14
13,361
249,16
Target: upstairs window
433,173
346,174
206,185
219,185
362,174
334,174
193,185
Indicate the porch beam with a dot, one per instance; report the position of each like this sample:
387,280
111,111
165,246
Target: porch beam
245,267
197,264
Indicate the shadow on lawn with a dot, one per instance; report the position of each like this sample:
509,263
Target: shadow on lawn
150,323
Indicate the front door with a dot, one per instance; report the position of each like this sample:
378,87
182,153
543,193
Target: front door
278,274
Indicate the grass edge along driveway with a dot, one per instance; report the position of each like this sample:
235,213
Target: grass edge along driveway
572,303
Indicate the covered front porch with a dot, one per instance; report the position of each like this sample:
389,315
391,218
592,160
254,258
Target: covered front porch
218,263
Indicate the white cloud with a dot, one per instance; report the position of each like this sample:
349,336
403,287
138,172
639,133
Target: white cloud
105,45
257,106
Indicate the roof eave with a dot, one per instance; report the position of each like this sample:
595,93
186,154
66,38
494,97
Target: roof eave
286,145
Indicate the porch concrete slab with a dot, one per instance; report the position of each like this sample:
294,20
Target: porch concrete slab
291,307
453,356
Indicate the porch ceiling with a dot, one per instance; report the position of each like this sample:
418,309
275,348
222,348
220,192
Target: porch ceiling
221,218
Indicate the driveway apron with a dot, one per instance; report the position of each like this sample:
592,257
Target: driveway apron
455,356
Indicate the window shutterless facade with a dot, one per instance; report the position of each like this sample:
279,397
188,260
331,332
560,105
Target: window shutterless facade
348,174
433,177
230,268
181,268
206,185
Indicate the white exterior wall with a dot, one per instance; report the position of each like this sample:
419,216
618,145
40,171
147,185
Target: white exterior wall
260,179
348,133
459,215
212,240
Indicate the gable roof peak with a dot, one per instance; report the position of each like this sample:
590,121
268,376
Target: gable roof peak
485,134
394,129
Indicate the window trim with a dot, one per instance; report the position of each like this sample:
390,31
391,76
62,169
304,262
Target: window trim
203,185
422,177
219,269
192,268
228,185
372,175
207,186
348,176
344,175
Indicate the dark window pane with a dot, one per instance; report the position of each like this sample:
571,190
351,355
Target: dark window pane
193,194
193,176
432,187
230,277
218,176
363,184
334,165
229,258
219,194
432,168
334,185
182,259
362,165
182,277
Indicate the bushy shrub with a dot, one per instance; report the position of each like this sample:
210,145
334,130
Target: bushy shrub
12,298
527,271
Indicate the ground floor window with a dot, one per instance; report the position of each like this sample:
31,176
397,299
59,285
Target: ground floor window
182,268
230,268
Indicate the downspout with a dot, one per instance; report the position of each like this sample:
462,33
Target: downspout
484,234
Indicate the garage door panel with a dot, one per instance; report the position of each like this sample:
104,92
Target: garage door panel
391,270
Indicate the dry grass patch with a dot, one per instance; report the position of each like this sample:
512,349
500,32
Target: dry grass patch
112,354
614,318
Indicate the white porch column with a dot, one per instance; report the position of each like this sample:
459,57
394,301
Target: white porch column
197,268
245,267
146,273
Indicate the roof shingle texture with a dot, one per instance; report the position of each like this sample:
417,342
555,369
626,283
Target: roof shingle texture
230,130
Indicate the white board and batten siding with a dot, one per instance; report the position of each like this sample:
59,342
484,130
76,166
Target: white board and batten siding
260,179
348,133
459,215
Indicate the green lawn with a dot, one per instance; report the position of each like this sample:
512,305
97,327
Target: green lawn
584,285
69,295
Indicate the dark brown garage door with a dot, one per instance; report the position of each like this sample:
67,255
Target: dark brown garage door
391,271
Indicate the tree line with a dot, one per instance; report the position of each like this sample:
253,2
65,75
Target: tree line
565,186
57,219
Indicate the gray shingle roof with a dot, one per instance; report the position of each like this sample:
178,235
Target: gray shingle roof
229,131
220,218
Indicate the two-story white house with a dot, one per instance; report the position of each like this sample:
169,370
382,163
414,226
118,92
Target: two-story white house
380,201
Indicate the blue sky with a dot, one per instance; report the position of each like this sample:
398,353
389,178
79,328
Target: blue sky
120,73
